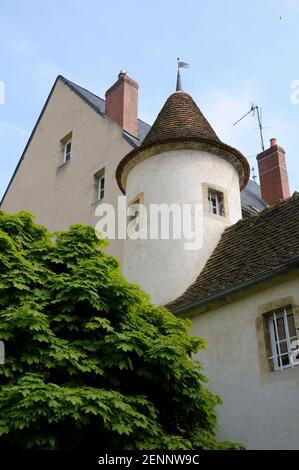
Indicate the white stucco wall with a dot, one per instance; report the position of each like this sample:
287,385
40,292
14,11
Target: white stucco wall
163,267
260,409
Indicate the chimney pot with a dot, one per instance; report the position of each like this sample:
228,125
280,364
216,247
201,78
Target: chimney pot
273,142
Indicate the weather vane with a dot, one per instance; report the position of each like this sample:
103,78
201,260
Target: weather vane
181,65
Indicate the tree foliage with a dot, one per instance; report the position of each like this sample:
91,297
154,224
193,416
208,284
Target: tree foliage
90,362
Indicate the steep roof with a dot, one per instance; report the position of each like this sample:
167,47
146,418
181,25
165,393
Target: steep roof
251,199
180,118
181,125
253,249
250,196
98,104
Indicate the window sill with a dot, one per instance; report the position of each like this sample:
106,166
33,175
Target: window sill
62,165
274,376
215,216
98,201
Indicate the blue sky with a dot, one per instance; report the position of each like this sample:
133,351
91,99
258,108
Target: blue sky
240,52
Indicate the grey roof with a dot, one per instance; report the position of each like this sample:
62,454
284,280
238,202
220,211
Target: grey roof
98,104
251,199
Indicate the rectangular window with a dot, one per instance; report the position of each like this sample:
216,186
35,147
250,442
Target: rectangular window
67,151
283,339
216,202
101,187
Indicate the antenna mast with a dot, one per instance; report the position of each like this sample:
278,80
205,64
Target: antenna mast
255,109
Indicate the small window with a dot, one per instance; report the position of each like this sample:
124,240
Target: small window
283,339
101,187
67,151
216,202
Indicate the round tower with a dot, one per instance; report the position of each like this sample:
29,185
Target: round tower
181,162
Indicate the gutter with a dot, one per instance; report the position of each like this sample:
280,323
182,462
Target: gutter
292,264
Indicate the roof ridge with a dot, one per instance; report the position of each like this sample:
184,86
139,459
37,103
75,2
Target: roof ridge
70,82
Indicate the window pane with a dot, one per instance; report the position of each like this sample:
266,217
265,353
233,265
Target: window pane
101,188
285,360
216,202
280,328
291,325
283,347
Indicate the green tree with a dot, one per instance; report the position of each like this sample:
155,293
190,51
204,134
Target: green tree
90,362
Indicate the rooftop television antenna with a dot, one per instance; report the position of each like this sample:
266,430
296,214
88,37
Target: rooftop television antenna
255,111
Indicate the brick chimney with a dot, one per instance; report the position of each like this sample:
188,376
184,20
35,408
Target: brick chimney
122,103
273,173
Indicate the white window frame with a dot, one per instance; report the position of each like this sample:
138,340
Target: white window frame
275,342
67,155
215,208
101,187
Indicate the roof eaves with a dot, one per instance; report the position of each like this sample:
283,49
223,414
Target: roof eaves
290,265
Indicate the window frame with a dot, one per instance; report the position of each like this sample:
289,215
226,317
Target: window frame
100,188
275,341
98,192
219,204
67,155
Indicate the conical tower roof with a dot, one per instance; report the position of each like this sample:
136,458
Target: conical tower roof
181,125
180,118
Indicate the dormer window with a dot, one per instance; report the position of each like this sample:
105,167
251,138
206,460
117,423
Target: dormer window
216,202
67,151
